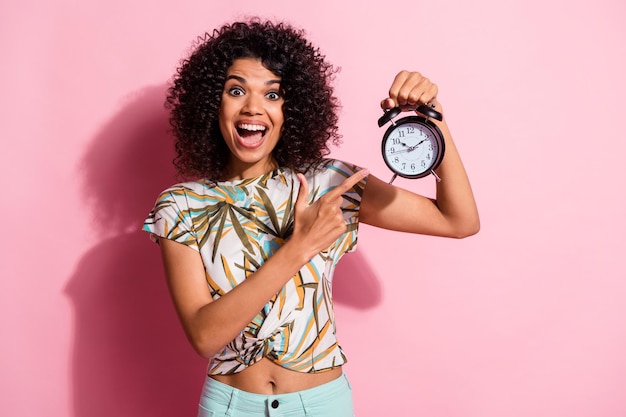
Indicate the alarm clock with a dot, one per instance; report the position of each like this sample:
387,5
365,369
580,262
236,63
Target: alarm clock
412,146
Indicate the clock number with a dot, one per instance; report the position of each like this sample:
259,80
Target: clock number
410,130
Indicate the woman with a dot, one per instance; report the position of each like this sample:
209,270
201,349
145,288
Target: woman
250,246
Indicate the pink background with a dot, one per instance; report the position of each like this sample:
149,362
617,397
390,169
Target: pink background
528,318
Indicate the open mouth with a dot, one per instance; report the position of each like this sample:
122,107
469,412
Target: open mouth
251,134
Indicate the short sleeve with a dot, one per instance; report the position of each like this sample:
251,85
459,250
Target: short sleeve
336,172
340,171
171,218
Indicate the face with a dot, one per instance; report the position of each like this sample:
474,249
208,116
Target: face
251,117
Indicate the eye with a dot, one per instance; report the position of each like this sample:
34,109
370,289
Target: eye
273,95
236,91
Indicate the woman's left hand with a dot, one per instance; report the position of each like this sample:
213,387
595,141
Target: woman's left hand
409,90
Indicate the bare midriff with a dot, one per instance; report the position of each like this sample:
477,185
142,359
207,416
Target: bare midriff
265,377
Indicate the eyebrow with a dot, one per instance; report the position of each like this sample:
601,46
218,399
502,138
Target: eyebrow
243,80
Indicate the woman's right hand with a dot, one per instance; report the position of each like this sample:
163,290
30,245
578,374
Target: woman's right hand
319,224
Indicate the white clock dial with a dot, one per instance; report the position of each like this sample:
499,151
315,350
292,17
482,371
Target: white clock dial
410,149
412,146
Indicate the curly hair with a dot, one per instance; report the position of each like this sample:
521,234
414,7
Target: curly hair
309,109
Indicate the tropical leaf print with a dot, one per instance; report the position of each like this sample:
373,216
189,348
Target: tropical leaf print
236,227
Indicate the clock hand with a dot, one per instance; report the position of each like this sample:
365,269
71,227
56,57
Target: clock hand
411,148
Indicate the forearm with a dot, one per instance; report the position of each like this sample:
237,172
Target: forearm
454,197
211,324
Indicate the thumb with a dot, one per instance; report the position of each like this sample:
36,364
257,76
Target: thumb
303,193
387,104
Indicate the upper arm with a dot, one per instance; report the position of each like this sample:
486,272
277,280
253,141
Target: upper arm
186,279
389,207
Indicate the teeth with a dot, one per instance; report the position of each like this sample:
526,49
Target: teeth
252,128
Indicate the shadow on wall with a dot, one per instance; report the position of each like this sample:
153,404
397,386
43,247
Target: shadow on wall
131,358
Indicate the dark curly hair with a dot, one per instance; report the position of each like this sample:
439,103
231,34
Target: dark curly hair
310,108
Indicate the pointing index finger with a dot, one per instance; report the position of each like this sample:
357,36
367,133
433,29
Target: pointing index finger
348,183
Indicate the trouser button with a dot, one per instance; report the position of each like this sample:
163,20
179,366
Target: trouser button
275,404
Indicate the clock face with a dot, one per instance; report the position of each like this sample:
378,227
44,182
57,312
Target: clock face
411,148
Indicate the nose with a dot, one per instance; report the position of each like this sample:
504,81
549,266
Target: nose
253,105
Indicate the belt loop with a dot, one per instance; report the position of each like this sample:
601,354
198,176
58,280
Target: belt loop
231,403
304,405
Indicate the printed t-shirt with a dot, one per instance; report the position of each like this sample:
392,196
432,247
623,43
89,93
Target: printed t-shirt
236,226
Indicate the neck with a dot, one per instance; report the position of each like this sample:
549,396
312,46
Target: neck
241,171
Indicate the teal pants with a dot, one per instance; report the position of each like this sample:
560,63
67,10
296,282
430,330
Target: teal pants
333,399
